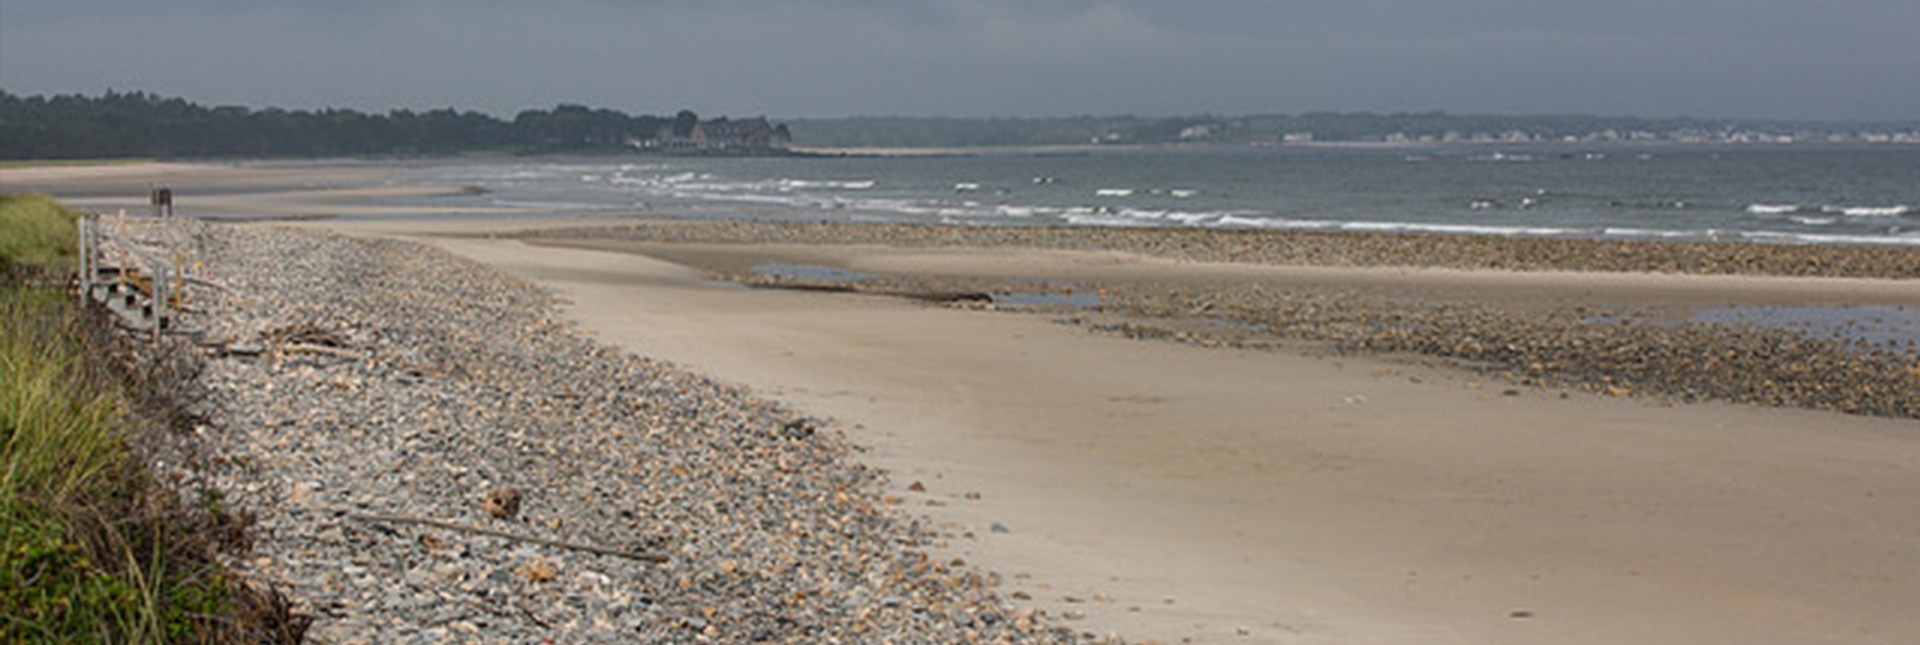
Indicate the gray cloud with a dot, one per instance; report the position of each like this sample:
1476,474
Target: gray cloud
1847,59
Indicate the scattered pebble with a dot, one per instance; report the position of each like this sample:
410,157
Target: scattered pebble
1573,347
452,394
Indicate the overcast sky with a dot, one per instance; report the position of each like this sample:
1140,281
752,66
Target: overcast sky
1815,59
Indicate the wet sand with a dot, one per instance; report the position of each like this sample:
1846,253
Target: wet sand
1169,491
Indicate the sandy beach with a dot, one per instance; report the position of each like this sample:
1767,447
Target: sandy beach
1247,492
1296,498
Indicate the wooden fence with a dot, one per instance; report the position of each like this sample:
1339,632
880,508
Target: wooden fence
136,269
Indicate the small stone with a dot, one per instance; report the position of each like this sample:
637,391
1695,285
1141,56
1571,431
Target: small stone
540,571
502,502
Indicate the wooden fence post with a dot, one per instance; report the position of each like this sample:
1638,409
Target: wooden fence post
84,280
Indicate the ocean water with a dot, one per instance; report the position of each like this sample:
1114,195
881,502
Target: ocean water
1798,194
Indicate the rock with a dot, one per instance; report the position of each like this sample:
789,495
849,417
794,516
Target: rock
501,502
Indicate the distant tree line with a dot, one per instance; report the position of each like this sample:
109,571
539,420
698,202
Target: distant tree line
139,124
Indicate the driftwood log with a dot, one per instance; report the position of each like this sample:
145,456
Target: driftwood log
571,546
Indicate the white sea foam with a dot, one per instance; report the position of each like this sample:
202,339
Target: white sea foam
1772,209
1816,221
1455,229
1144,216
1241,221
1650,233
826,184
1192,219
1872,211
1289,224
1903,239
1104,219
1114,192
884,205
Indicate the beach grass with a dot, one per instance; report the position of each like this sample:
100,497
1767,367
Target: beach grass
93,549
37,236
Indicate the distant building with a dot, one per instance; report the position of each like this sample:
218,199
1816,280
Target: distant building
742,135
665,140
722,136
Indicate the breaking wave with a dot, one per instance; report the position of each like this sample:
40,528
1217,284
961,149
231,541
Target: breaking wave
1772,209
1870,211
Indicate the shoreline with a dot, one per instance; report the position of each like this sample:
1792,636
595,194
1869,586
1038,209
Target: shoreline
1330,249
1173,491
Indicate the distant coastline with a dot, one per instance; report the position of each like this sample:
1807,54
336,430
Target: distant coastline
1045,150
1319,129
144,125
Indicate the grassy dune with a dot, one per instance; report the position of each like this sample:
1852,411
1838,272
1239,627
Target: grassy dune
92,548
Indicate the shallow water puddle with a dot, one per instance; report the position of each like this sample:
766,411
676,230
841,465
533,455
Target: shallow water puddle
1048,299
1895,328
811,273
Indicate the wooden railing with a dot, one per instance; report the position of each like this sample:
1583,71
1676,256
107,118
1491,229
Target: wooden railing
143,280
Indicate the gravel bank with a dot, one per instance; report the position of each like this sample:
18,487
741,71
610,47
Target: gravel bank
1613,352
1317,249
390,413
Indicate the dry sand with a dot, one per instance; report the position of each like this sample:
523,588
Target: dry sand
1263,497
261,190
1170,492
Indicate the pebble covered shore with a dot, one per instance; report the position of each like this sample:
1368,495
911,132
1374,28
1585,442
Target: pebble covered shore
1314,248
434,457
1608,352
